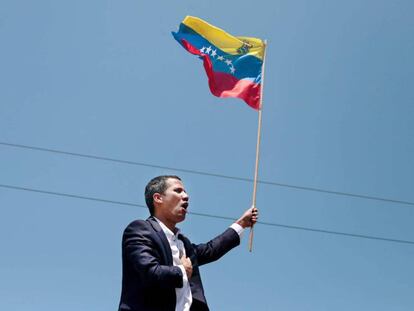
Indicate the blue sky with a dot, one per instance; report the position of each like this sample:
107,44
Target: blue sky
106,78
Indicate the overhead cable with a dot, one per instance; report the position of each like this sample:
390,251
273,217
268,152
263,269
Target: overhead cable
82,197
272,183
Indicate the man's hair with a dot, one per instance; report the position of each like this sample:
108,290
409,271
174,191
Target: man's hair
156,185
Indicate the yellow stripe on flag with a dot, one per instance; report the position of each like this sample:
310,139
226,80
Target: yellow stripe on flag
223,40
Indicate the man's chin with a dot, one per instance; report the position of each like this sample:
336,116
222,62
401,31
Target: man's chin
181,218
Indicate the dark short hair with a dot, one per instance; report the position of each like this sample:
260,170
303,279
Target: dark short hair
156,185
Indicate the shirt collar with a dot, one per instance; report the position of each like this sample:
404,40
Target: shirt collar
170,235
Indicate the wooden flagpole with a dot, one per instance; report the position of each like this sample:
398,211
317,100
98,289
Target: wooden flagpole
259,129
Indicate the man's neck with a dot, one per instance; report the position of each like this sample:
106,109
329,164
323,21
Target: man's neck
168,224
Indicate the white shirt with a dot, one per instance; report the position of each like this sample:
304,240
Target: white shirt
183,294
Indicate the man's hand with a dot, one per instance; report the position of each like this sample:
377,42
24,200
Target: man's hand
249,218
188,266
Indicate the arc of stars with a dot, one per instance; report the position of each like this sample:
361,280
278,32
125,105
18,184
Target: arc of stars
213,54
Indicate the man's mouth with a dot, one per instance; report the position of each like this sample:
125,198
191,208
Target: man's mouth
185,205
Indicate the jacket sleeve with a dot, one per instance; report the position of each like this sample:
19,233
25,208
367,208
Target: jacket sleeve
144,255
217,247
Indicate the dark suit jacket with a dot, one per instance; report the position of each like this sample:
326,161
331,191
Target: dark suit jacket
149,278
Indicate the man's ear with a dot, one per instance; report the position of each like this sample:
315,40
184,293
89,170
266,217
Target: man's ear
157,198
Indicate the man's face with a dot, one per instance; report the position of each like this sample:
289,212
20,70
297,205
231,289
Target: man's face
173,203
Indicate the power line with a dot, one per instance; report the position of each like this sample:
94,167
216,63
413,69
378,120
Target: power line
82,197
101,158
75,196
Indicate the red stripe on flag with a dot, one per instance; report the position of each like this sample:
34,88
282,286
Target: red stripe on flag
226,85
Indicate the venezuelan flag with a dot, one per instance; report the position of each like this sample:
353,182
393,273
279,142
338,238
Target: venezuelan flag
233,64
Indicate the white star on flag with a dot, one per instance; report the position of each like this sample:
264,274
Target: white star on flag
208,50
202,50
220,57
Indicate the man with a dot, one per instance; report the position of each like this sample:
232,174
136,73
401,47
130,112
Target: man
160,266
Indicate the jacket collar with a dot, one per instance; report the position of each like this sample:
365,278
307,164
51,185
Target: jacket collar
154,223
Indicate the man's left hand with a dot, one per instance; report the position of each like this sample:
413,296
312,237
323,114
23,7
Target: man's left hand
249,217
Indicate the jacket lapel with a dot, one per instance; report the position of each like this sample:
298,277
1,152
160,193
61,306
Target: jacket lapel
165,246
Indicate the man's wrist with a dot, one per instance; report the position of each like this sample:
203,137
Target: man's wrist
242,223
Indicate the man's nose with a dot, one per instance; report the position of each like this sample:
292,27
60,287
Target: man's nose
185,196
